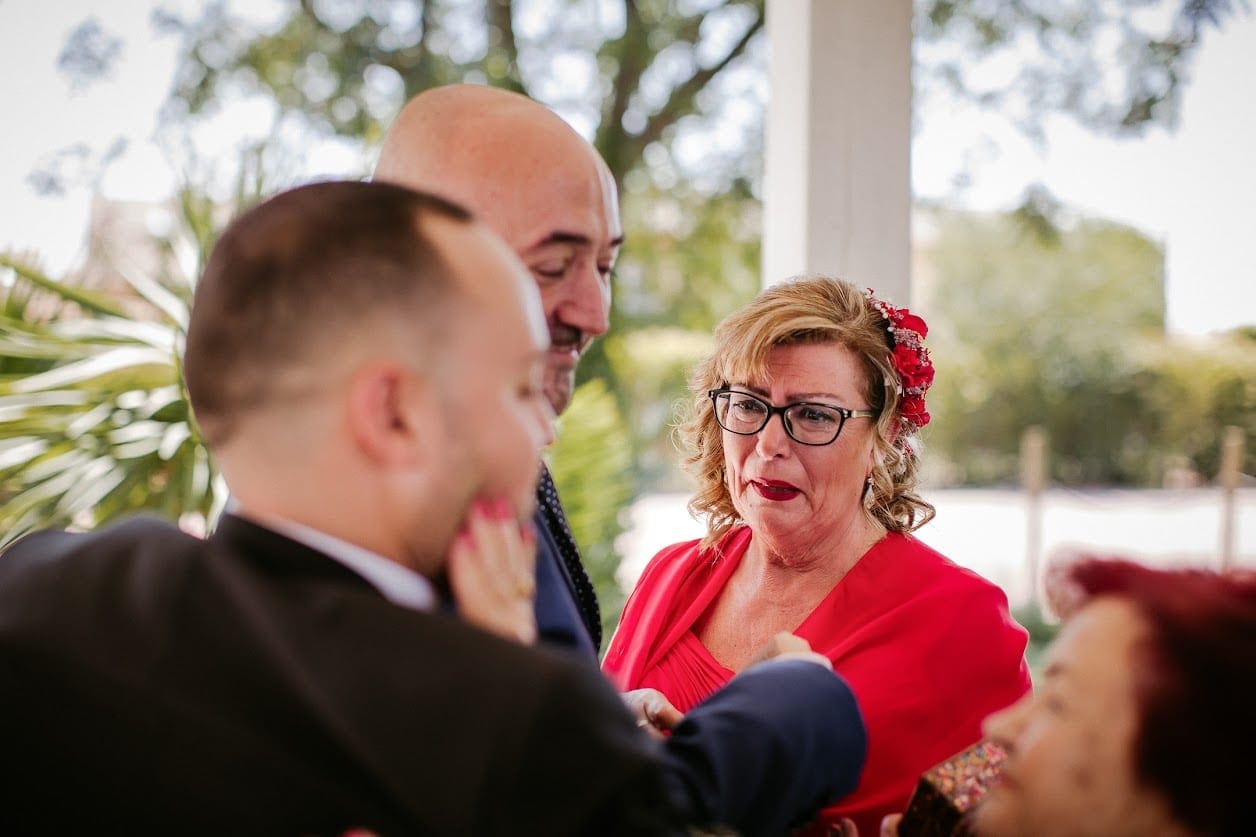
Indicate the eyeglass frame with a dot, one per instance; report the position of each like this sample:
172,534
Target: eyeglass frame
772,410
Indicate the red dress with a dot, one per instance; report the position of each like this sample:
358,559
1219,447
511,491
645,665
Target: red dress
928,647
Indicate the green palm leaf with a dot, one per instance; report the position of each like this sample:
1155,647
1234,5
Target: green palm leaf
94,416
91,301
94,420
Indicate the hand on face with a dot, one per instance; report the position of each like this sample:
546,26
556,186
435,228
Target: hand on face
492,571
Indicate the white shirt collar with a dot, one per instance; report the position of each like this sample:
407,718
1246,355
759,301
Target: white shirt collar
400,585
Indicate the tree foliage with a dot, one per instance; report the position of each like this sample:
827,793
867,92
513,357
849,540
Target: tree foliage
629,70
694,259
1066,331
638,72
1030,58
1194,391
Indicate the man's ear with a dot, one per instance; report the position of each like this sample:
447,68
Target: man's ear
390,411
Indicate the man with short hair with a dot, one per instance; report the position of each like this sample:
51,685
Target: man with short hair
366,364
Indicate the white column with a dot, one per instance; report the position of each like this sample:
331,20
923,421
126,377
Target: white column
837,182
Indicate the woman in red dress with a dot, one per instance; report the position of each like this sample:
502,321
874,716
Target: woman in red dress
804,448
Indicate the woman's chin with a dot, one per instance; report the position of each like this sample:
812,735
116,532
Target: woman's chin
784,502
774,522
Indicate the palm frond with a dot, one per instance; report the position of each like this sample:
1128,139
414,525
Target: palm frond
94,419
91,301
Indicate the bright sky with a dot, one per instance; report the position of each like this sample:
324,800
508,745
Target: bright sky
1195,191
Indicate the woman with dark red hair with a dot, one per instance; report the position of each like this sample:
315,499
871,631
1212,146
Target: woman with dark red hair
1144,722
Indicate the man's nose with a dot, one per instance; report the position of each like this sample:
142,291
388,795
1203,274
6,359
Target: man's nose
587,303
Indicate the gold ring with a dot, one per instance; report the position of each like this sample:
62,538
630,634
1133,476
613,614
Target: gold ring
525,586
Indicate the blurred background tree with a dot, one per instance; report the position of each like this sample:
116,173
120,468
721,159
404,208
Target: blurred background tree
672,92
1062,325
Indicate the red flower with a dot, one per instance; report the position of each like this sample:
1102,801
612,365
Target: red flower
909,358
907,319
913,409
913,366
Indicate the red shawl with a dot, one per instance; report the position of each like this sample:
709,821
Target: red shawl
928,647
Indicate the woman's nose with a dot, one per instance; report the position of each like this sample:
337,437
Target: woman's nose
772,440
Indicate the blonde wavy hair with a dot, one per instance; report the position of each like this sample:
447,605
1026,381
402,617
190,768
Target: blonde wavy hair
804,310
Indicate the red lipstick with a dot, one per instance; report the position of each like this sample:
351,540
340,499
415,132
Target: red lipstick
777,490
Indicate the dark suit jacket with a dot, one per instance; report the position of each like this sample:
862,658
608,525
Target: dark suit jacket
560,621
154,683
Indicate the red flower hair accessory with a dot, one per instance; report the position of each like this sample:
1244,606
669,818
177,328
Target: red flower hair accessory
909,358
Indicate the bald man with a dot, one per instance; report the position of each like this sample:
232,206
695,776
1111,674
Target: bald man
539,185
546,191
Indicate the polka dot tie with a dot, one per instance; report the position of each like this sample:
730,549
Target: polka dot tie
556,522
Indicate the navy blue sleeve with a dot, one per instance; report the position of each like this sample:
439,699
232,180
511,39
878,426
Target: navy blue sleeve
765,753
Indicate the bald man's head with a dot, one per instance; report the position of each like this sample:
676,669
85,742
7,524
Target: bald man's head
535,182
471,140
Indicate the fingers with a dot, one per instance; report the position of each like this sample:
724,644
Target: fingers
787,646
814,657
889,825
492,571
845,828
506,546
781,645
661,714
655,713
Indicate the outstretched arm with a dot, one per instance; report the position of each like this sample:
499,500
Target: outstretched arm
782,740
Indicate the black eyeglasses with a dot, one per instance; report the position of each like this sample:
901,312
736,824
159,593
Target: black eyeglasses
806,422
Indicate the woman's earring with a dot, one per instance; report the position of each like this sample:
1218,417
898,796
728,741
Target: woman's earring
867,492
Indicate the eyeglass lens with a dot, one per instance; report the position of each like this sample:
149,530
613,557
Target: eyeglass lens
811,424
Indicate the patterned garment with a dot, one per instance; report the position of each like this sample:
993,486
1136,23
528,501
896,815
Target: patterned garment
582,587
